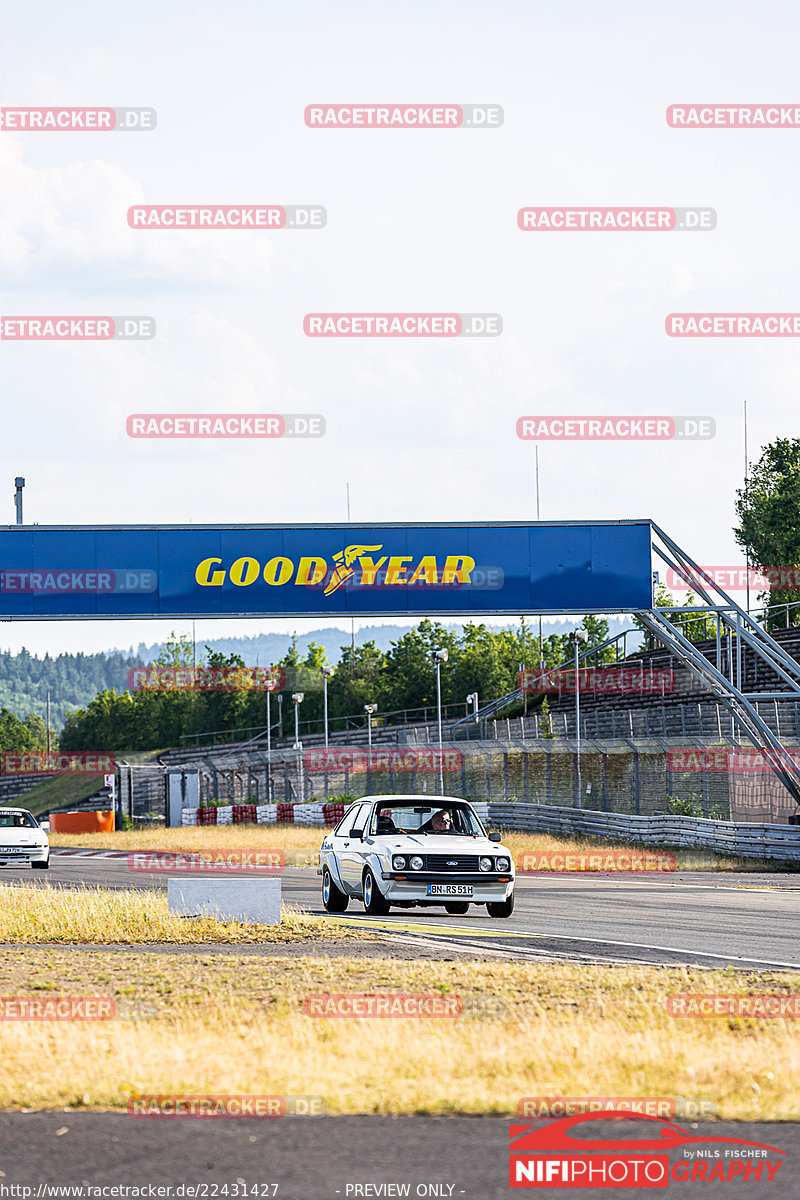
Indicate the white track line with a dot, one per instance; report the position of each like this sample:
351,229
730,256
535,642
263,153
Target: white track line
600,941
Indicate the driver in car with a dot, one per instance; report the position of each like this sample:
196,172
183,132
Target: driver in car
440,822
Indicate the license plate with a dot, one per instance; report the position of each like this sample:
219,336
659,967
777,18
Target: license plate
6,850
449,889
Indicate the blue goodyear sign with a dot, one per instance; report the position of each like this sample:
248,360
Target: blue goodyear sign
310,570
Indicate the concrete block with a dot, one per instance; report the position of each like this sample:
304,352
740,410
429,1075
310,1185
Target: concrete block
234,899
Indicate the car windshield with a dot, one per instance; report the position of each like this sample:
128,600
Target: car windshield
18,820
418,818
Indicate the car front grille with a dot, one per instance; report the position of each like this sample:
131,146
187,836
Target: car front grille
444,862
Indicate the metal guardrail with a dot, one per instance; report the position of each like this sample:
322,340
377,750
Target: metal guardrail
780,842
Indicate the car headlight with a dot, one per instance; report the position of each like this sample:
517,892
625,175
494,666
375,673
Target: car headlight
416,863
485,864
398,862
503,864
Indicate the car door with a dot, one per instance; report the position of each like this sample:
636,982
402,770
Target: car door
340,843
352,853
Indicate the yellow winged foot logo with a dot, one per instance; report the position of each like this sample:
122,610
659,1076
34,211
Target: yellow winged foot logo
343,565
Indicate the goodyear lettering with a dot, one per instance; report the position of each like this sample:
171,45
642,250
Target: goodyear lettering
351,567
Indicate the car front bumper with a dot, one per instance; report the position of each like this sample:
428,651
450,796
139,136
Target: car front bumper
26,856
487,887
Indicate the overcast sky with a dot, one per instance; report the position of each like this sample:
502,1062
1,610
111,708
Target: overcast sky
417,221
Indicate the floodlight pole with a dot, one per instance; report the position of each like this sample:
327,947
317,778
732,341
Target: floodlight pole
369,709
579,635
269,746
440,656
327,672
297,700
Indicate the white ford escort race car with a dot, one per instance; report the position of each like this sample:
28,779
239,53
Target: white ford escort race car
22,840
415,850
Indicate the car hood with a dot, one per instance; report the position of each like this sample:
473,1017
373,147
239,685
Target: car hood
20,836
440,843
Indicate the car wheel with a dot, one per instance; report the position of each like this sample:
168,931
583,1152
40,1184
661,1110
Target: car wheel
457,909
502,908
333,898
42,866
374,902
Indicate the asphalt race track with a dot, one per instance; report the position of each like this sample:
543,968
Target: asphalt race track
317,1158
703,919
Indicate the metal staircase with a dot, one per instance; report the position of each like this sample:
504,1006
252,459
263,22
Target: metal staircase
738,629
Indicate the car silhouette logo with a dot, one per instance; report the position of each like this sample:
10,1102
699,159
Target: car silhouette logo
559,1138
452,862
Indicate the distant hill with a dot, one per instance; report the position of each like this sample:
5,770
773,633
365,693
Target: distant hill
72,680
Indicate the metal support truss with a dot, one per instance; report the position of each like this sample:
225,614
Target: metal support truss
728,689
735,629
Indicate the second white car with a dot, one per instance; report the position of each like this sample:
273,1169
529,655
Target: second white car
22,840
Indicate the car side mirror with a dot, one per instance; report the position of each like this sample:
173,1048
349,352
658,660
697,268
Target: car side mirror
495,837
358,834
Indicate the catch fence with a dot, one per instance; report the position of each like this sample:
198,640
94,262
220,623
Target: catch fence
627,776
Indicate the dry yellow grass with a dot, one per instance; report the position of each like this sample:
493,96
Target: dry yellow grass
30,914
300,844
234,1025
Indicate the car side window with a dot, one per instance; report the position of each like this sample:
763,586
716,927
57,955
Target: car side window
346,823
360,817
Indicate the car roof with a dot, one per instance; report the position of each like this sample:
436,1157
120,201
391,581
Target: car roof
412,796
16,810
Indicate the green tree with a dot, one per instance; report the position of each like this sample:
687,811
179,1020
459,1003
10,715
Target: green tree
177,653
482,663
768,508
15,735
410,672
359,680
38,730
